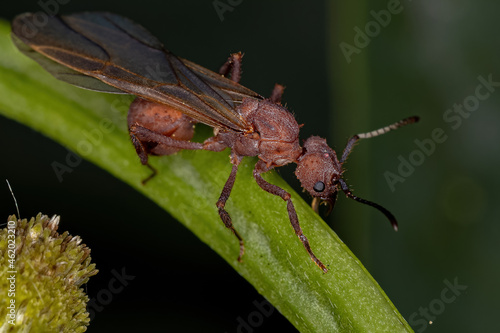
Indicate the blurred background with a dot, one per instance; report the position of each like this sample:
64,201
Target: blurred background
347,68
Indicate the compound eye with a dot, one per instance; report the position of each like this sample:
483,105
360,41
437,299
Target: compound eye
319,186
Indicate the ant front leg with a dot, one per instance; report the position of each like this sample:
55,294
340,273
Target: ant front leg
232,66
260,167
221,203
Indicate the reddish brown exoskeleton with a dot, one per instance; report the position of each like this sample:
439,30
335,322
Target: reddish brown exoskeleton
109,53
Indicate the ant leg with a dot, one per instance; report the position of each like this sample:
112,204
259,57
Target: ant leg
143,155
143,134
136,131
232,66
260,167
221,203
140,134
139,147
214,144
372,134
277,93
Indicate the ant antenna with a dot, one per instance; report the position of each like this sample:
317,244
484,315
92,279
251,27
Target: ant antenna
372,134
347,150
13,196
384,211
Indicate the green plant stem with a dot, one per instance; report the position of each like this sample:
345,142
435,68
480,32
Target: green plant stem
94,126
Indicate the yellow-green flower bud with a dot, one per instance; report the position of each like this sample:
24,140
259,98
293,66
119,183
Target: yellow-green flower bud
41,272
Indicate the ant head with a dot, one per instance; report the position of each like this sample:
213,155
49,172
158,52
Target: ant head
319,170
320,173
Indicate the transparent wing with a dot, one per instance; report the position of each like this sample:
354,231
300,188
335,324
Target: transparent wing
110,53
64,73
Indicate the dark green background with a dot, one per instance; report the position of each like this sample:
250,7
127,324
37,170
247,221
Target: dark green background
423,62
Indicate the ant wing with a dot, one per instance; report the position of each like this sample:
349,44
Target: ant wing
106,52
64,73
